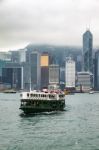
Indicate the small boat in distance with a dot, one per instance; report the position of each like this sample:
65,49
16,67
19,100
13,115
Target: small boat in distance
91,92
42,101
9,91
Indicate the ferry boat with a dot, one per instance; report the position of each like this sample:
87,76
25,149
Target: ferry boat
42,101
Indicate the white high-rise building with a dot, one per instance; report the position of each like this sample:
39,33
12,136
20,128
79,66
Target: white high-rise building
70,73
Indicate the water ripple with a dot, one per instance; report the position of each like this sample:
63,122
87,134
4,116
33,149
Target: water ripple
76,128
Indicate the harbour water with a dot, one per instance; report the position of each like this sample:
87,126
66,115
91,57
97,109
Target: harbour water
76,128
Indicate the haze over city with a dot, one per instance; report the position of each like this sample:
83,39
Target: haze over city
58,22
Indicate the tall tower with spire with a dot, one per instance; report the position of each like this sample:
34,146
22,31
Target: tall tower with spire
87,51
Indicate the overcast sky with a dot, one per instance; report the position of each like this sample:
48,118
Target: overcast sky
59,22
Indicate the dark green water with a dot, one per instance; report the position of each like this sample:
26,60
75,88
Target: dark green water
77,128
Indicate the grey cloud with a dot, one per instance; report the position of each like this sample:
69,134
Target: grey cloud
1,1
54,21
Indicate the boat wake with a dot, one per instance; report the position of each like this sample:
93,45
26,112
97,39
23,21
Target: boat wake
41,113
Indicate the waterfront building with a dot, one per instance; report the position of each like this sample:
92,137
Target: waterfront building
79,63
84,81
26,75
70,72
2,64
22,55
15,56
44,63
54,74
62,74
87,51
96,71
62,78
16,75
18,56
28,55
5,56
12,75
35,70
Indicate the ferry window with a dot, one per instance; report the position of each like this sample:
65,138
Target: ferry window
51,96
27,94
61,96
31,95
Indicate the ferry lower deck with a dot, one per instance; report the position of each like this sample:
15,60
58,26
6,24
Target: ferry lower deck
34,106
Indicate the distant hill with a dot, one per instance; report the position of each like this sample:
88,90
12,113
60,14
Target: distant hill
59,53
53,48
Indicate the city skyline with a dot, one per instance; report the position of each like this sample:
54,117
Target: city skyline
58,22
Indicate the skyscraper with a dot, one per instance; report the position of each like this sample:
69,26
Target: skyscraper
96,71
44,63
35,70
54,74
70,73
22,55
87,51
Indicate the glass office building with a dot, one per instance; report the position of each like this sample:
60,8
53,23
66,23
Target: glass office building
87,51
